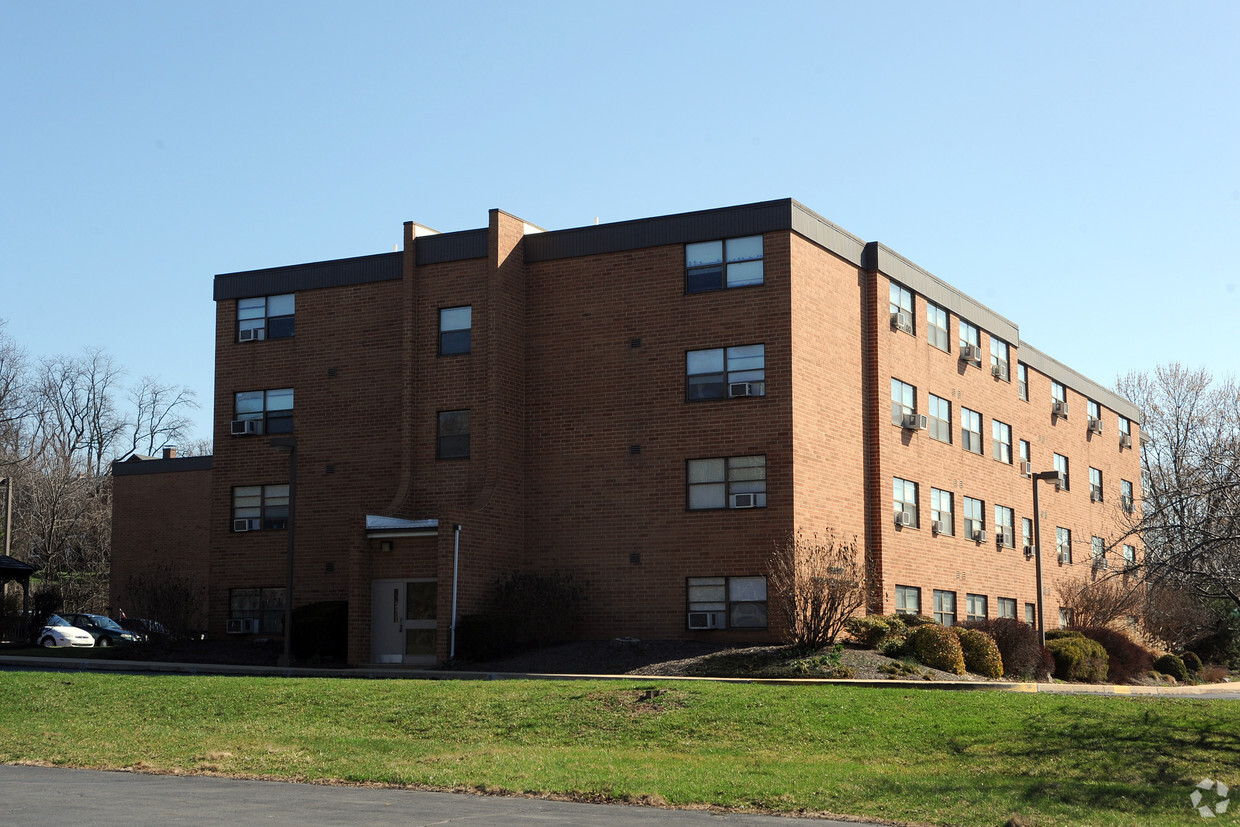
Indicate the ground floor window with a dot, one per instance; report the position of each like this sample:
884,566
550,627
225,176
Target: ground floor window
944,607
1065,617
908,600
727,602
1031,614
1007,607
263,606
975,606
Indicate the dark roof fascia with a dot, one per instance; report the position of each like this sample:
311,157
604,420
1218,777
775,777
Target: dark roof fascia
457,246
336,273
161,466
12,565
1060,372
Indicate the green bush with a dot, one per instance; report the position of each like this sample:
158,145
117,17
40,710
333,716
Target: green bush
1064,634
937,647
1191,662
1127,661
981,655
870,631
913,621
1172,665
1018,647
1077,658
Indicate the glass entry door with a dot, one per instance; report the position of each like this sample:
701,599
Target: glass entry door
403,620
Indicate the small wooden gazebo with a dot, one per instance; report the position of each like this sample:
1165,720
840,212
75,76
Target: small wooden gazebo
13,569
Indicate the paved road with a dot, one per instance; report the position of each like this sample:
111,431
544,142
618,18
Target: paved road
55,796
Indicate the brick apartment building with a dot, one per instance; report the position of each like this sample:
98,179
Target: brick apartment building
647,405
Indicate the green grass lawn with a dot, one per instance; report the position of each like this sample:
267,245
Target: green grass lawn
911,755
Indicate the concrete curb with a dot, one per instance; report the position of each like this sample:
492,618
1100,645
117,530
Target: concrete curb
413,673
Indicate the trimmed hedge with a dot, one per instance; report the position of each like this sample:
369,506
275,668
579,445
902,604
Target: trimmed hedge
1191,662
937,647
1172,665
981,655
1127,661
1077,658
1022,655
872,630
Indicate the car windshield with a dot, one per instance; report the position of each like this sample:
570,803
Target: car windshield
105,623
56,620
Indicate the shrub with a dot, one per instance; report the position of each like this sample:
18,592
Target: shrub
1191,662
1064,634
1172,665
321,630
1077,658
937,647
1127,661
981,655
819,584
1213,673
1018,645
913,621
872,631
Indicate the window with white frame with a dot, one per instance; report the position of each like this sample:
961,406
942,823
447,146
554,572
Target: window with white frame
1001,442
1125,430
936,327
1061,465
1026,532
726,482
1007,607
453,435
1093,410
1098,550
1130,554
969,336
902,308
265,317
1024,451
1059,394
1022,381
903,401
939,419
904,493
975,606
999,358
1095,484
727,602
455,325
974,519
971,430
1065,617
1031,614
265,606
1063,544
1005,526
259,507
941,511
719,265
725,372
908,600
273,408
944,607
1126,501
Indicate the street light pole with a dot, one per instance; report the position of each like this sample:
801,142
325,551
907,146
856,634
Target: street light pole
289,444
1037,548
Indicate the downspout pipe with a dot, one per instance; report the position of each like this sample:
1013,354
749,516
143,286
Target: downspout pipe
456,562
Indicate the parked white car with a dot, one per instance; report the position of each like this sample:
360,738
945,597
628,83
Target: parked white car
58,632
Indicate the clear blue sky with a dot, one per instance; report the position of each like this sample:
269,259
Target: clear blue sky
1075,166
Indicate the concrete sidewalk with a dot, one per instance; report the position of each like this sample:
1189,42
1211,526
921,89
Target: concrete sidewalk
1216,690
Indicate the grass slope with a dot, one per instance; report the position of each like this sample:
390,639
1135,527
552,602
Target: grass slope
941,757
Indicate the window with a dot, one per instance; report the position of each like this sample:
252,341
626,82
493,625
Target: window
902,309
1130,555
903,401
455,324
1002,441
726,372
936,327
908,600
939,420
1007,607
975,606
258,507
1098,550
1125,496
1061,465
266,317
273,408
716,265
263,605
1022,381
1125,432
944,607
1026,532
971,430
1004,526
1065,617
941,511
1063,544
1031,614
727,602
969,335
973,519
999,358
1095,484
1093,409
905,494
453,435
1059,394
726,482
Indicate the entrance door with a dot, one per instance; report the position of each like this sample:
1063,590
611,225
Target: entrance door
402,620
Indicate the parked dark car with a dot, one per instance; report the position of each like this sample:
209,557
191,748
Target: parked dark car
146,630
105,630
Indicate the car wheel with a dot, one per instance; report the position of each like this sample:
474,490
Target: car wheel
47,642
104,641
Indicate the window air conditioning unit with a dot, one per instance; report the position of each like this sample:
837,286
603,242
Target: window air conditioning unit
744,500
1028,551
940,527
1061,481
1100,562
741,389
242,626
1060,409
914,422
1125,441
1095,425
999,371
246,427
979,535
1095,495
254,334
1063,557
970,353
904,518
902,321
241,525
1026,469
705,620
1005,538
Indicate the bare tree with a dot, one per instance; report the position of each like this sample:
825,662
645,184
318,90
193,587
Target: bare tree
1190,520
1104,600
818,584
159,415
15,402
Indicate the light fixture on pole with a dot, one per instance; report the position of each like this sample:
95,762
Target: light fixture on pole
289,444
1037,546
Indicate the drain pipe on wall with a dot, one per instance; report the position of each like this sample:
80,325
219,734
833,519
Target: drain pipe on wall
456,560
